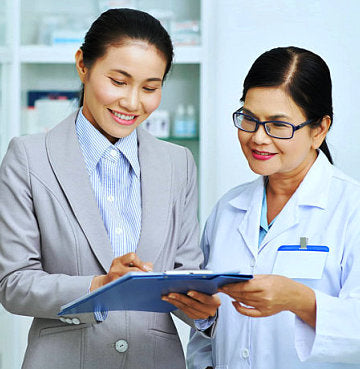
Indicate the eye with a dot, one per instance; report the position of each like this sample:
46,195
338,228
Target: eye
117,83
279,125
150,89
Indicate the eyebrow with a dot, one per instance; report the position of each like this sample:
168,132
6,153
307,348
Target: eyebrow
126,74
272,117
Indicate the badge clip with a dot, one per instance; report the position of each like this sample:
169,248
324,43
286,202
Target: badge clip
303,243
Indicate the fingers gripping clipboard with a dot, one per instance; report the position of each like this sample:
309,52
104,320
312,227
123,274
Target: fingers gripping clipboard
142,291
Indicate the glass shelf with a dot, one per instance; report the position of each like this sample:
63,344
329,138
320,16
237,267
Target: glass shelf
182,139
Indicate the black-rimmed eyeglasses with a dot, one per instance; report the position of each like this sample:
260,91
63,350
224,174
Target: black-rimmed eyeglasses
274,128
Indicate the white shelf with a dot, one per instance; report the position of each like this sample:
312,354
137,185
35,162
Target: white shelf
47,54
66,54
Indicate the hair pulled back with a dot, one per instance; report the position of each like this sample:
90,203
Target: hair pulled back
115,26
304,76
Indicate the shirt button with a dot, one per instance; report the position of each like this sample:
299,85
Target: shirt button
245,353
118,230
110,198
113,153
121,346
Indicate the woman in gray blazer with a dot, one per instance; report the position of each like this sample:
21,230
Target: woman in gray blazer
95,198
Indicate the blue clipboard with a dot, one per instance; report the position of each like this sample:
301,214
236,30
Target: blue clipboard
142,291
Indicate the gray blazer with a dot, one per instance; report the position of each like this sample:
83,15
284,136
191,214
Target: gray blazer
53,241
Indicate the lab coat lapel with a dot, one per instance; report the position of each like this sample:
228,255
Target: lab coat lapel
67,161
250,201
288,218
156,175
307,195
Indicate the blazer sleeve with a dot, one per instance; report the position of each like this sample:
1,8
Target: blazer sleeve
25,288
189,255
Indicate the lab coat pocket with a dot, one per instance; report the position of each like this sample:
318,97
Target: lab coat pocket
295,261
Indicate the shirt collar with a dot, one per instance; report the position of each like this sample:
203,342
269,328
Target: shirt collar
94,145
263,216
129,147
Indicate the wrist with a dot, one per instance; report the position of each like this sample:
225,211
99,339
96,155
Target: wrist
304,303
97,282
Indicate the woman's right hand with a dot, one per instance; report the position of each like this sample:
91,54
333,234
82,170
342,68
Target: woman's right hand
123,264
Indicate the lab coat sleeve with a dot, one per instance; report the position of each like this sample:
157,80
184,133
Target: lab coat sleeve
199,349
337,334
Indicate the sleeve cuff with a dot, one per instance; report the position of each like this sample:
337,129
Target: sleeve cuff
99,315
207,326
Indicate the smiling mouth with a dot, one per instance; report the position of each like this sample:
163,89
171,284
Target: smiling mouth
262,153
123,116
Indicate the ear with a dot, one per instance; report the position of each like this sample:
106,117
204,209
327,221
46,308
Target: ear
80,66
319,133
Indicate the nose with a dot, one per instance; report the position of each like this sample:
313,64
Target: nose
260,136
130,100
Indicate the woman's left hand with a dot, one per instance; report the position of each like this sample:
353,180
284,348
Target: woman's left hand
266,295
195,305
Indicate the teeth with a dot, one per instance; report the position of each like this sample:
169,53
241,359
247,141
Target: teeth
122,116
262,153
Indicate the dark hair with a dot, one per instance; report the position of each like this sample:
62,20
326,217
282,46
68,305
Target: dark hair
115,26
305,78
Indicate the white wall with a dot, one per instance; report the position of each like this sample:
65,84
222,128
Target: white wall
243,30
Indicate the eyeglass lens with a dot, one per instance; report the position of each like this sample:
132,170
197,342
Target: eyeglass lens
275,129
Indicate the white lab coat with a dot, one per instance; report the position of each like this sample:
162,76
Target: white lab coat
326,209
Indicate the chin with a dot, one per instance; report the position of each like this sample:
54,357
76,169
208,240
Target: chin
261,170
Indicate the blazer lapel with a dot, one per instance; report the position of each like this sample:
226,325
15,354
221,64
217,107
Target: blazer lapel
67,161
156,176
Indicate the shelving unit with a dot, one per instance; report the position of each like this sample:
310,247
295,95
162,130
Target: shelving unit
31,66
42,54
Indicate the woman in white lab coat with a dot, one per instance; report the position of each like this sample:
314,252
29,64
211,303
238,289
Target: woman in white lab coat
296,228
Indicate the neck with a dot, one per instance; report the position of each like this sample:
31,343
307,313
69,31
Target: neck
285,184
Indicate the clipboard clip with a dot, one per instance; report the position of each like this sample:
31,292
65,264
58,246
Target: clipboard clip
303,243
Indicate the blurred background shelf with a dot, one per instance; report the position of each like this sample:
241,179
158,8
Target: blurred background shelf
43,54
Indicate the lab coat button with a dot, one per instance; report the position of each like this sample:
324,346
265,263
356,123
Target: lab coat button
245,353
68,321
63,320
121,346
76,321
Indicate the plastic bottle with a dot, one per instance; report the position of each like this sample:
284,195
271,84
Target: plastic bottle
179,125
191,126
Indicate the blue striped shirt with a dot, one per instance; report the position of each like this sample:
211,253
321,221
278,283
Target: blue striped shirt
114,173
